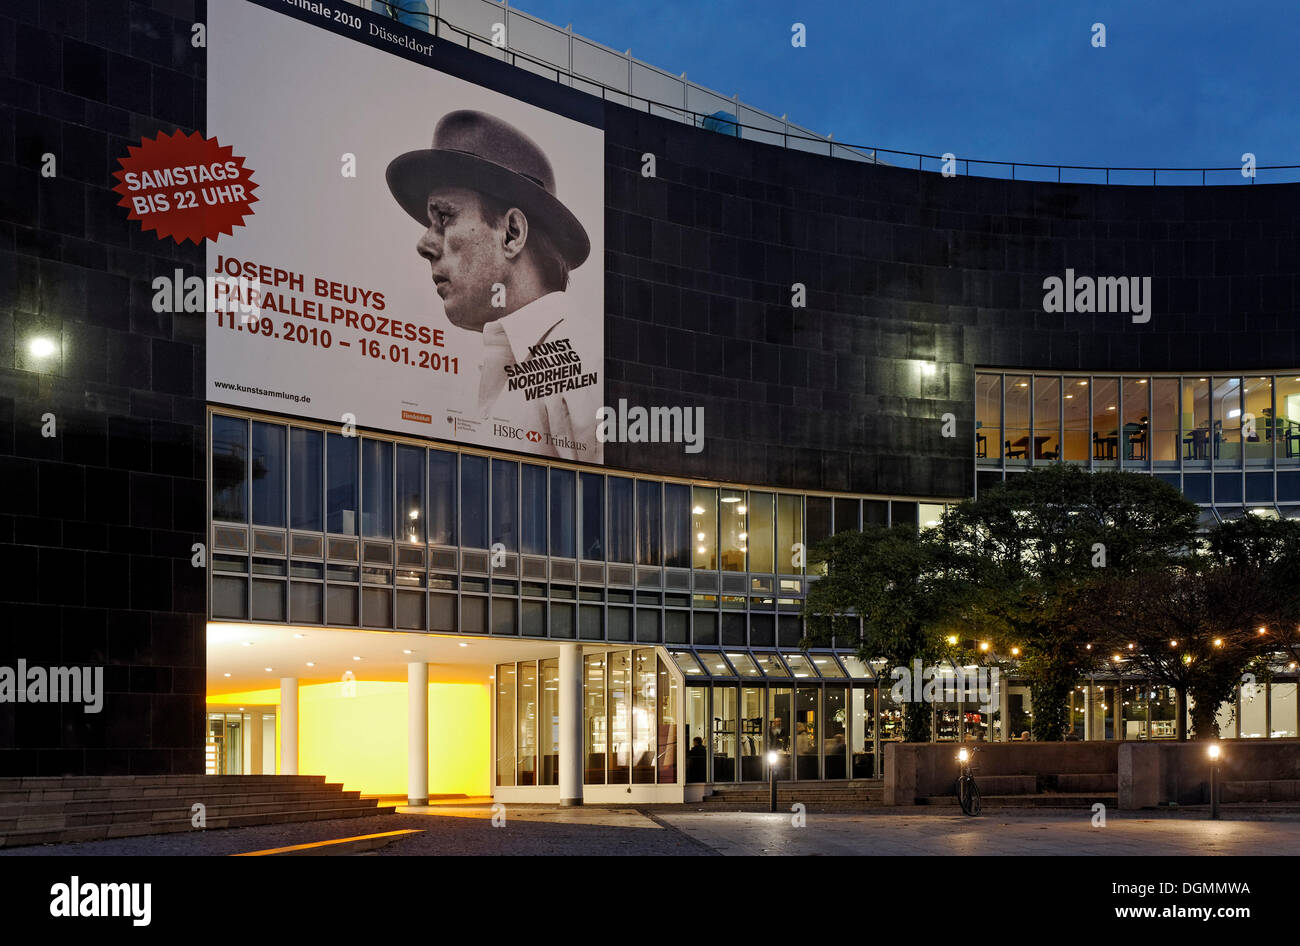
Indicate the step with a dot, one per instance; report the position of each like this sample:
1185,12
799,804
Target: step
14,823
170,790
1261,790
101,832
155,802
1041,800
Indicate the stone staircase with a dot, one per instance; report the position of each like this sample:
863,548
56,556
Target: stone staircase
42,810
1082,790
817,796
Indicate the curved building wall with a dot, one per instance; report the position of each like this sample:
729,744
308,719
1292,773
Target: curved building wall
902,268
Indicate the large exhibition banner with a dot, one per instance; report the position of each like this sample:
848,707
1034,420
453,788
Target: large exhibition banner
425,254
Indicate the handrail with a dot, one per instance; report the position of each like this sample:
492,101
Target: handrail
867,153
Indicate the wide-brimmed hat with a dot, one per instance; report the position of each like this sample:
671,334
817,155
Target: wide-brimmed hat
481,152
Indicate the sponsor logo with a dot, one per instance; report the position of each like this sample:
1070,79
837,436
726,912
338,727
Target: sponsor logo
417,416
534,436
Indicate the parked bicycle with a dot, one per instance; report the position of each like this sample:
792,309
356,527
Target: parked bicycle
968,793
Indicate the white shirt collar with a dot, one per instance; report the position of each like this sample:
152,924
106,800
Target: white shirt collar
529,325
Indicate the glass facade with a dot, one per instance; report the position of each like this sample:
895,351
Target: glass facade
312,527
1228,442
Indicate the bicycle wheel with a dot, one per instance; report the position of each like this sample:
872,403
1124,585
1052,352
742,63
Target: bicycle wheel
963,794
973,800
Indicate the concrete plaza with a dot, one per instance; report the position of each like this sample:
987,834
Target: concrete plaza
686,830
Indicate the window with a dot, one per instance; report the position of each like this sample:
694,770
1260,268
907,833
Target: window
473,501
1135,435
1165,446
644,704
761,535
592,486
306,473
1257,408
229,469
505,724
622,519
268,474
594,719
505,504
649,522
704,527
1196,422
988,416
753,729
442,497
410,493
528,723
1105,421
549,722
677,525
1286,429
667,741
1047,419
562,513
1015,443
1074,401
377,483
789,534
1226,412
846,516
341,484
732,529
819,519
532,511
620,712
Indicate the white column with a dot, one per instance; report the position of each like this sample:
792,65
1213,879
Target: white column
571,748
1004,708
417,733
288,725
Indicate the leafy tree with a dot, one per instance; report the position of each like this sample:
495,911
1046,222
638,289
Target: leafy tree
882,590
1022,559
1192,627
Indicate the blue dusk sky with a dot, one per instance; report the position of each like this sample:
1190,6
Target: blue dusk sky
1180,83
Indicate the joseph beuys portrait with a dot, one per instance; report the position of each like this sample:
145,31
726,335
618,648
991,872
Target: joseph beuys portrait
500,245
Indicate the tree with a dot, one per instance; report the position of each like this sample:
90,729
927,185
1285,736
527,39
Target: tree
1193,627
882,591
1024,556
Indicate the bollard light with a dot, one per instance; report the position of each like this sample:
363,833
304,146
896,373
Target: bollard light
771,779
963,755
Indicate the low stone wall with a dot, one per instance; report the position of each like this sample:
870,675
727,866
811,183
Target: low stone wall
917,770
1157,773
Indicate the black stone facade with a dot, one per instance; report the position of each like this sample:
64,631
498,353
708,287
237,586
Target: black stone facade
901,267
97,522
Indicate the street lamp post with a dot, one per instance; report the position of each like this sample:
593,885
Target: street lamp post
1214,780
771,780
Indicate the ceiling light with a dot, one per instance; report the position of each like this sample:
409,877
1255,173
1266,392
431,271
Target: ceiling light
300,636
268,669
698,510
310,664
406,651
356,658
731,499
227,674
463,644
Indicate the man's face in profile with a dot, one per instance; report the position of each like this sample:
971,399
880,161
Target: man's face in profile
466,256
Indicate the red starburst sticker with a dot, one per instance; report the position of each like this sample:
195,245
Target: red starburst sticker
186,187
